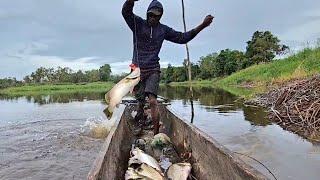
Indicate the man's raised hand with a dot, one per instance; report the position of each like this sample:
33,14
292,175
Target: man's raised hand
207,21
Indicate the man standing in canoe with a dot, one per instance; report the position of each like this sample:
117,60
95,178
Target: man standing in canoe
148,36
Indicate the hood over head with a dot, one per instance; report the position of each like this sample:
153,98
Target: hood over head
155,7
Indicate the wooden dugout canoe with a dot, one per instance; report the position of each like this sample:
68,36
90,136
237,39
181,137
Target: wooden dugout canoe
209,160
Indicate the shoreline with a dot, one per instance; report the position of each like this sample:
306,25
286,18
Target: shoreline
47,89
295,106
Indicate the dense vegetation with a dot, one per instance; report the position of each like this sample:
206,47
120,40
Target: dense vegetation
262,48
9,82
61,78
66,75
46,89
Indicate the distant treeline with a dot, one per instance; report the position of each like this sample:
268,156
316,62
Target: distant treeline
67,75
9,82
63,75
262,48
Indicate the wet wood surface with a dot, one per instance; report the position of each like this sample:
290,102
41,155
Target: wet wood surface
209,159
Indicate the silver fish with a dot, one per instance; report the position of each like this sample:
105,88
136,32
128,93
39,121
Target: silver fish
139,157
161,140
121,89
149,172
179,171
132,174
143,172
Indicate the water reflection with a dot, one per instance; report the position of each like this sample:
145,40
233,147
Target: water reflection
57,98
217,112
216,100
206,95
210,99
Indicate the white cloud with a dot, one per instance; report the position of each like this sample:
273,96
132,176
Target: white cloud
21,65
53,61
120,67
306,34
303,33
87,34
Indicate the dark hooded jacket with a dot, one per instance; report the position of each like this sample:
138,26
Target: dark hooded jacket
148,40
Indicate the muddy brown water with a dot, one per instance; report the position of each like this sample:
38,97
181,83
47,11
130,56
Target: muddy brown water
48,137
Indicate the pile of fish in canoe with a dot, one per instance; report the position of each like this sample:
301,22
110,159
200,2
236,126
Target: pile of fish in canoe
155,158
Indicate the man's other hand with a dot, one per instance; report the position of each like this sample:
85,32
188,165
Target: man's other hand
207,21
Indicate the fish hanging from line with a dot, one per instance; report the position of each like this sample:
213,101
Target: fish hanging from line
121,89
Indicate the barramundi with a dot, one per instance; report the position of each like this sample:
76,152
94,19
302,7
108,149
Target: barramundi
121,89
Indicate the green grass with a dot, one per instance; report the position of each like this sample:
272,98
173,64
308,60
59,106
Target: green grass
259,78
194,83
61,88
304,64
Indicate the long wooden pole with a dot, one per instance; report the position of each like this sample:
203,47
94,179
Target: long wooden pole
187,47
189,63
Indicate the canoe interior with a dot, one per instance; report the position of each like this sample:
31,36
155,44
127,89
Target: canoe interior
209,159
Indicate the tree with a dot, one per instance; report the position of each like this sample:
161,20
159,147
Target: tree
263,47
230,61
9,82
242,60
78,77
116,78
169,74
219,64
105,72
41,75
206,65
195,69
63,74
93,75
179,74
27,79
51,75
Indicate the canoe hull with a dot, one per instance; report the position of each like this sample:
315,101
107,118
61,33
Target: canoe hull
110,163
209,159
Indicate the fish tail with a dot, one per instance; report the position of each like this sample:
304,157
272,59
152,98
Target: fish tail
108,113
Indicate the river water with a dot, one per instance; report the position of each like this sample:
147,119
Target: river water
51,137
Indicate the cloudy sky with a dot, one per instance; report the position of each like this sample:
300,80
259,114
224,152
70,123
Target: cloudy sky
84,34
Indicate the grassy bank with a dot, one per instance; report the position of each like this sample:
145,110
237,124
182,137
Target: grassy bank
259,78
194,83
299,66
61,88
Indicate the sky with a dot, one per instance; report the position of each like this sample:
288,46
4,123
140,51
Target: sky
84,35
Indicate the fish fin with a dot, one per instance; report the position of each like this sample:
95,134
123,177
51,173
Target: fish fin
108,113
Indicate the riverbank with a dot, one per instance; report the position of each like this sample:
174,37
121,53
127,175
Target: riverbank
299,66
295,107
289,88
259,79
47,89
243,92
